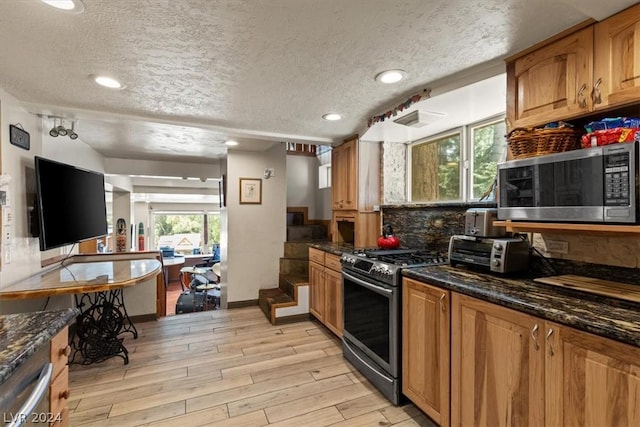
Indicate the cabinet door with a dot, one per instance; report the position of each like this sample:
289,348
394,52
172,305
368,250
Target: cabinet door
497,376
425,348
344,175
316,290
333,301
617,60
551,83
58,397
590,380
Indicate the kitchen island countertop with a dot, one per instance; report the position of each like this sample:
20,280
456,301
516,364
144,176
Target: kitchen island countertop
22,334
608,317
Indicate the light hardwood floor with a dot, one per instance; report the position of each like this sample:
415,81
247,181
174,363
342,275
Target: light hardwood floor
231,368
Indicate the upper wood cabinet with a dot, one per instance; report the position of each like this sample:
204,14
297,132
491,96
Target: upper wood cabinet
617,60
551,83
594,68
355,175
344,169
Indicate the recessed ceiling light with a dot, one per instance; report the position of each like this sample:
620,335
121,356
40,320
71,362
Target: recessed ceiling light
332,116
231,143
391,76
74,6
108,82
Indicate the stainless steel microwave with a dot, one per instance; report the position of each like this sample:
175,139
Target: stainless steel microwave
598,184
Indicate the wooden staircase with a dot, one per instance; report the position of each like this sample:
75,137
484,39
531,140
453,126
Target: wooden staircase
289,302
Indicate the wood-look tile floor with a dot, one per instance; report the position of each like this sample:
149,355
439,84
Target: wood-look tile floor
231,368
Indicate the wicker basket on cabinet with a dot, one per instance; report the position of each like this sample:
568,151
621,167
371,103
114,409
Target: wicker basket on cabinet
531,142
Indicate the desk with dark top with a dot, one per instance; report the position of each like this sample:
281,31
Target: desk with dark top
98,290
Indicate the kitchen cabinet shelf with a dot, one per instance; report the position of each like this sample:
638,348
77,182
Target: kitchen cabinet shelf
518,226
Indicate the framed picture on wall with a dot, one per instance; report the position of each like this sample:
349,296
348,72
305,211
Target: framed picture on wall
250,191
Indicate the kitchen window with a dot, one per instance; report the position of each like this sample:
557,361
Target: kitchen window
457,165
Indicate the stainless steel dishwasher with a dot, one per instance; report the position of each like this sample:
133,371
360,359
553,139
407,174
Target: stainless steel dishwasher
24,396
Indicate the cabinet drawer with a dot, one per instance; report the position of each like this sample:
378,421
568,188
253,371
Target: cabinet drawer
316,255
333,262
60,351
59,392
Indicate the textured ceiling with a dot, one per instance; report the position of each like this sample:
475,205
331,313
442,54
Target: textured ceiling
260,71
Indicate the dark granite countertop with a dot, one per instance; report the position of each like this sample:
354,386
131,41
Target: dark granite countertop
608,317
23,333
333,248
443,205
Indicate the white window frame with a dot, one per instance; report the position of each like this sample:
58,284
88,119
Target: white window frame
466,158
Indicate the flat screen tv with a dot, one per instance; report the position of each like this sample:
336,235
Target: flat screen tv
70,204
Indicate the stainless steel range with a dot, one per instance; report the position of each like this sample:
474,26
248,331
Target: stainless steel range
371,285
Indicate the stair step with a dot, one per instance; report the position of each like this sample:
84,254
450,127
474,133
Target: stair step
294,266
267,298
298,250
301,233
287,283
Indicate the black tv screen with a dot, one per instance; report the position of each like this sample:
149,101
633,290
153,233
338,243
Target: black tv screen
70,203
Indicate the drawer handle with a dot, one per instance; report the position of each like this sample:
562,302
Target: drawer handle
65,351
534,330
551,352
64,394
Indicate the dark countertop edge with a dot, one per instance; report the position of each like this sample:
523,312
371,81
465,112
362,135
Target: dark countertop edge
333,248
64,317
444,205
566,316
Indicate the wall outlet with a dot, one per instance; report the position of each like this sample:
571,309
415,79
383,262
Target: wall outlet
557,246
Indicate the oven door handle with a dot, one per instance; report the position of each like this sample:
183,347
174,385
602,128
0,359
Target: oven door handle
374,288
34,398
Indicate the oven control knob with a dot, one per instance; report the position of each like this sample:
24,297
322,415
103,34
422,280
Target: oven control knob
496,263
498,246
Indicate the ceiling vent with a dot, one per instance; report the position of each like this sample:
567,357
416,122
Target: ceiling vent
419,118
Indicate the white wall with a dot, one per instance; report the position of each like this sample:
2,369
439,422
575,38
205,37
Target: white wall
256,233
302,183
25,256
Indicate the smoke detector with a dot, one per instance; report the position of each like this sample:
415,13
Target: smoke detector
419,118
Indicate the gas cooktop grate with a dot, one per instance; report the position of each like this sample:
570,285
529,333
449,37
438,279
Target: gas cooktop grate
403,257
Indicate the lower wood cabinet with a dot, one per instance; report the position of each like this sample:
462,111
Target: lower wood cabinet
59,388
512,369
508,368
325,289
497,365
590,380
425,348
316,290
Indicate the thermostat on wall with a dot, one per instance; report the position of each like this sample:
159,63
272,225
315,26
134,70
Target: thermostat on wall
19,136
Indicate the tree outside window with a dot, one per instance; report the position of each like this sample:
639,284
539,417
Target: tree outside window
489,145
435,167
186,232
439,171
